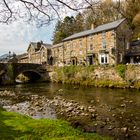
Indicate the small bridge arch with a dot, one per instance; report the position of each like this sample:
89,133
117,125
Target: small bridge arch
33,71
32,75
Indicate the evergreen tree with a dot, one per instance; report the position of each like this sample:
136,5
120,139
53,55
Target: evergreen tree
67,27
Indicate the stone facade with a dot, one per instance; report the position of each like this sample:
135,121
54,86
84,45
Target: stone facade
107,46
39,53
133,55
23,58
57,54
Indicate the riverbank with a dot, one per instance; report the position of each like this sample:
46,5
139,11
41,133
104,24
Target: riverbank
119,76
14,126
93,117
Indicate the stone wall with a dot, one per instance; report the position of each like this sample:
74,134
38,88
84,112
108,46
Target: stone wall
121,76
57,54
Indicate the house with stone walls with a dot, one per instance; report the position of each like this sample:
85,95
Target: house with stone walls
39,52
23,58
133,54
57,57
105,44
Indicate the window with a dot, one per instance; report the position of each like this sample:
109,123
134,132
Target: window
43,54
90,38
103,58
103,40
121,57
127,46
91,47
80,43
54,52
90,41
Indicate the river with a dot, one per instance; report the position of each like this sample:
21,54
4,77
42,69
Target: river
118,110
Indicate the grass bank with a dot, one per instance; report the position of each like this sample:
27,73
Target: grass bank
14,126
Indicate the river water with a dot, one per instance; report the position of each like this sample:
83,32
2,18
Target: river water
118,110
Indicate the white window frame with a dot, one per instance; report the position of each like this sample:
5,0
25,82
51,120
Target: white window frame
104,58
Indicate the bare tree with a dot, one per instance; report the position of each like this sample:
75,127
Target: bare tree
41,11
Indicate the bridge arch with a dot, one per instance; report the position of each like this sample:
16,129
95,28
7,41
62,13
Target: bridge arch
10,71
32,75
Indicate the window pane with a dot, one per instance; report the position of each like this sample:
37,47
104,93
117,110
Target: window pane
105,59
102,59
91,47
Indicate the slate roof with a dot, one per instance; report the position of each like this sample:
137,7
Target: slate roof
4,56
100,28
47,45
34,44
57,45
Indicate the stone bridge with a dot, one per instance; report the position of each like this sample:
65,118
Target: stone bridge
10,71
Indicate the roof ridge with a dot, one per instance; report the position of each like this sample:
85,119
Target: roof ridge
99,28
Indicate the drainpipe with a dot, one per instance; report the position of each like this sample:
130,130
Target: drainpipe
63,51
115,45
86,50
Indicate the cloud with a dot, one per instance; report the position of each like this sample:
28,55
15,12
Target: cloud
15,37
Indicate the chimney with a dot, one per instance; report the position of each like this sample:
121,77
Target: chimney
38,45
41,42
92,26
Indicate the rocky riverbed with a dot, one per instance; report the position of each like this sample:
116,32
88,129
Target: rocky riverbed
94,117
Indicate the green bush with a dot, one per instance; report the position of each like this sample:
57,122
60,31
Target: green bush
10,71
70,71
121,68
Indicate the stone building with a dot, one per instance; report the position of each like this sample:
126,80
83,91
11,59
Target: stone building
106,44
39,53
57,55
23,58
133,55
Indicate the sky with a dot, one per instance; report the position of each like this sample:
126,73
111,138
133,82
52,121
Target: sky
16,36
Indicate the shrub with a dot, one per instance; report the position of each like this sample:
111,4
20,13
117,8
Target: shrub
121,68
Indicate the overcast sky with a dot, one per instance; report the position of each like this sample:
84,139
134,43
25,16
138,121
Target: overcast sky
15,37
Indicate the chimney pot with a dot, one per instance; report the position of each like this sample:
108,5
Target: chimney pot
92,26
